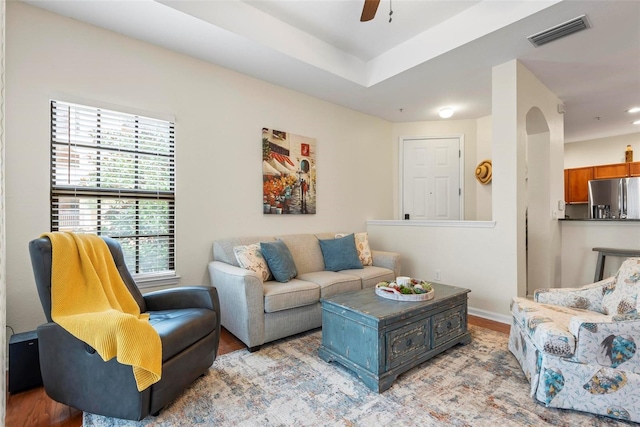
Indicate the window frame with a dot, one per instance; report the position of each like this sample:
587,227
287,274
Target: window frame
102,196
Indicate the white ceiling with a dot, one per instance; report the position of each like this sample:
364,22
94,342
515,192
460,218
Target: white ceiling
432,54
336,22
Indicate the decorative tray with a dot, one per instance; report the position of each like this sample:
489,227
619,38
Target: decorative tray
413,291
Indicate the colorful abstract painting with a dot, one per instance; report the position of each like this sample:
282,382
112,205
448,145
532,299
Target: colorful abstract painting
288,173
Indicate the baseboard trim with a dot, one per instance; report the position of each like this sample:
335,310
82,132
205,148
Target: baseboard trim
496,317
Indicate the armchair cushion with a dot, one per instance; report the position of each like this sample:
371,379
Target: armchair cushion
179,329
182,316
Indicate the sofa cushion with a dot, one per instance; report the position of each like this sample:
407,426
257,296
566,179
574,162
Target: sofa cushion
371,275
295,293
223,248
547,325
362,245
180,328
332,283
623,298
250,258
279,260
306,252
340,253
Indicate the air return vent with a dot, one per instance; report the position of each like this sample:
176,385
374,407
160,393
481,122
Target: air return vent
559,31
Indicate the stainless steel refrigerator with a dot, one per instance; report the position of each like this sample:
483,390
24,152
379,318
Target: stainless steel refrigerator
617,198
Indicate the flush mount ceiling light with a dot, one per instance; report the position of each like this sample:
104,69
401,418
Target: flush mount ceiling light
634,110
446,112
637,122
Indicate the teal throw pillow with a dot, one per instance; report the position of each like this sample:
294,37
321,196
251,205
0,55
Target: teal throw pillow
340,254
279,260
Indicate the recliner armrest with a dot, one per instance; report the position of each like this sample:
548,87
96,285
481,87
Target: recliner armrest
183,297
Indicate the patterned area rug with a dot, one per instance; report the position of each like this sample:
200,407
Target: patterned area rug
287,384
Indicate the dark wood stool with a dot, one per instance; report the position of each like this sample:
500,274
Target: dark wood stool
603,252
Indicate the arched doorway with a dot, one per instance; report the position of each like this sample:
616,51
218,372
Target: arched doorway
538,206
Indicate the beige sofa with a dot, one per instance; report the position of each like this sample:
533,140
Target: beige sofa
257,312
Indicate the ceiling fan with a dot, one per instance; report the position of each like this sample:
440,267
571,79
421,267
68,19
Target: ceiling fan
369,10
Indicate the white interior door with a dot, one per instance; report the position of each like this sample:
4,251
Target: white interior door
431,178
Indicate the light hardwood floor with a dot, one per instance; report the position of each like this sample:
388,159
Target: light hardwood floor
33,408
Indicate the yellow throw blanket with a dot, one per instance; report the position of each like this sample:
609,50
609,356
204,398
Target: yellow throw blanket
90,301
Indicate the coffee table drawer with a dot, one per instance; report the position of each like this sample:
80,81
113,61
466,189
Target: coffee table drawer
449,325
407,342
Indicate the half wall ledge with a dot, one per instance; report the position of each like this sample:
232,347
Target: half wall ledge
425,223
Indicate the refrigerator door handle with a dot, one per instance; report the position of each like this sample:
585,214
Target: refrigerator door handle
623,199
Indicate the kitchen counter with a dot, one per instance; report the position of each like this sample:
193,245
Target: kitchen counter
580,236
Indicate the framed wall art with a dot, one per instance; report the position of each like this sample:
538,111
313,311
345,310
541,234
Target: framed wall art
288,173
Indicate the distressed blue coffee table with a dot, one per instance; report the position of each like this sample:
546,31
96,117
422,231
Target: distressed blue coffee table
379,338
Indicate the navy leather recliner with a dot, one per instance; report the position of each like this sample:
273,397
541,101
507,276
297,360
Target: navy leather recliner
186,318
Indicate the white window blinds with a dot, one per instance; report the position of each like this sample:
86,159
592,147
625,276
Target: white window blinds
113,174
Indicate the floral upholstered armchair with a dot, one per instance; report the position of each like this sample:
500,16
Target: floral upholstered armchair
578,346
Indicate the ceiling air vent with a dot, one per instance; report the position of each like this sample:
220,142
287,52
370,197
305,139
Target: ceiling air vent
559,31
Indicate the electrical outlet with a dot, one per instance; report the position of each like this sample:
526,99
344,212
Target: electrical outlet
437,275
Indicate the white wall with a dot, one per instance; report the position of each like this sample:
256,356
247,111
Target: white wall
539,271
601,151
469,256
539,123
219,116
3,244
490,258
466,128
483,152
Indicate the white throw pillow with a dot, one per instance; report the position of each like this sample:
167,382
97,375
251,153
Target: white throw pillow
250,258
362,245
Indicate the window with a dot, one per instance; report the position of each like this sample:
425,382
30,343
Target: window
113,174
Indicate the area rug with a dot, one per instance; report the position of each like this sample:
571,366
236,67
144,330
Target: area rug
287,384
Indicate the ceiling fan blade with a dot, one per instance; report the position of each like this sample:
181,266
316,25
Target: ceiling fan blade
369,10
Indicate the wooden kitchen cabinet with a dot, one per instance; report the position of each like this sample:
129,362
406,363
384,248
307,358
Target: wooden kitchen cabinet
616,170
576,184
576,181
